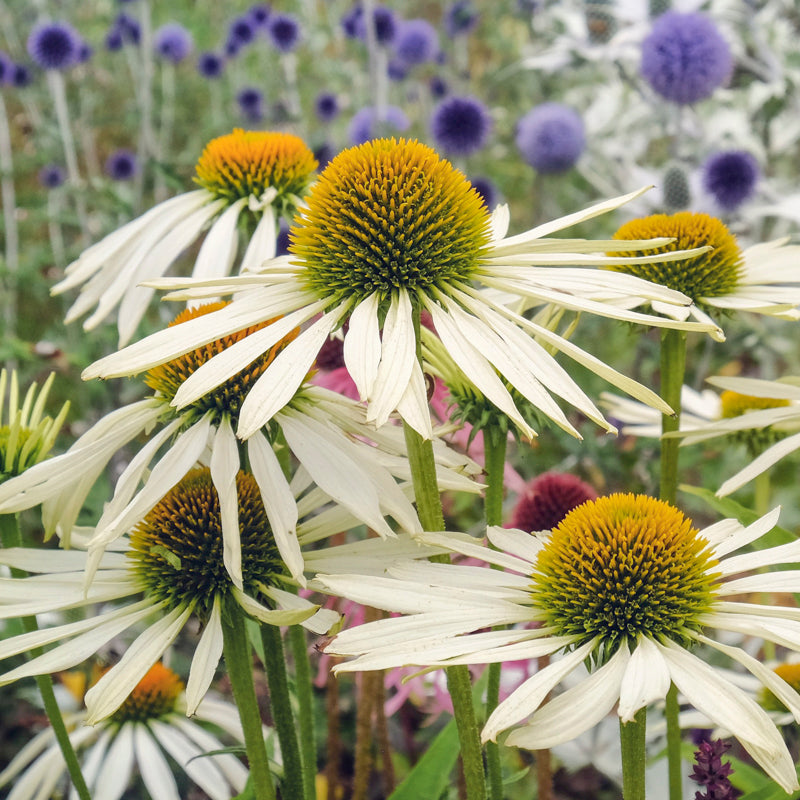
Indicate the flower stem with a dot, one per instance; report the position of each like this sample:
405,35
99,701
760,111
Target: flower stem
632,742
494,450
423,475
240,673
673,367
11,537
280,700
305,714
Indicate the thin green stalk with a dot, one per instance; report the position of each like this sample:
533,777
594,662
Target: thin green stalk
11,537
240,672
494,443
305,714
632,741
423,475
292,787
673,368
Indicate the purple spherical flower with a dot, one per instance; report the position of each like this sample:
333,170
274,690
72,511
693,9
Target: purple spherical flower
365,124
324,153
52,176
121,165
548,499
282,239
550,137
438,86
172,42
416,42
460,18
259,14
85,52
114,40
129,27
487,190
21,76
242,30
385,25
684,58
210,65
54,45
460,125
351,21
284,32
396,70
231,48
731,177
7,68
326,106
251,103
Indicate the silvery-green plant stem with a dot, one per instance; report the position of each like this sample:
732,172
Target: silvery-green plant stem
145,149
54,227
58,90
634,757
289,65
305,714
9,312
165,131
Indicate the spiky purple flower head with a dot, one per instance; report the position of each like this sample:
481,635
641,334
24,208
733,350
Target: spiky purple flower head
386,24
52,176
251,103
365,124
548,499
685,57
22,76
460,126
416,42
460,18
242,29
550,137
122,165
731,177
284,32
210,65
324,153
259,14
712,773
487,190
54,45
326,106
351,21
172,42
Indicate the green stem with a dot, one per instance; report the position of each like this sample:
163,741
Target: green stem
305,714
292,787
632,741
240,672
494,444
673,368
671,710
423,476
11,537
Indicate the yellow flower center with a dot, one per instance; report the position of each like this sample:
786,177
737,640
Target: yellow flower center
153,697
791,674
387,215
711,274
245,163
227,398
735,404
622,566
177,548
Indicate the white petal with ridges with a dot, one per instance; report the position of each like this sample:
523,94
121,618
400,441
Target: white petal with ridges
205,660
760,464
272,616
115,774
261,246
218,251
413,405
153,767
362,345
646,679
224,467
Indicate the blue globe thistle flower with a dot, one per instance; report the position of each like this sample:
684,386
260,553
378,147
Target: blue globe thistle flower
460,125
259,14
231,48
52,176
460,18
487,190
365,124
129,27
284,32
173,42
326,106
85,52
22,76
6,69
438,86
324,153
396,70
685,58
731,177
210,65
386,24
550,137
122,165
242,30
282,239
114,41
251,103
416,42
350,21
54,45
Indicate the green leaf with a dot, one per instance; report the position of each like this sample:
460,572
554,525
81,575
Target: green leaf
431,774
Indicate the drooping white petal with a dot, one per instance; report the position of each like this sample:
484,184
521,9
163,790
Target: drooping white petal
757,387
106,696
153,767
279,502
205,660
474,548
413,404
262,243
519,543
575,711
218,251
398,353
760,464
646,679
279,383
362,345
224,467
115,774
230,766
293,616
788,553
531,694
320,622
